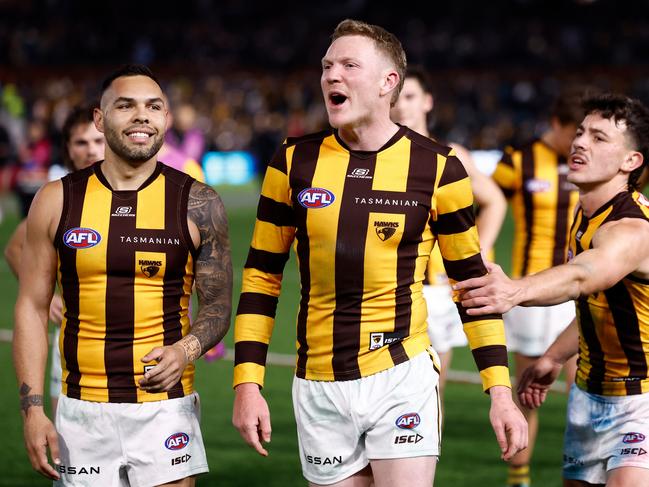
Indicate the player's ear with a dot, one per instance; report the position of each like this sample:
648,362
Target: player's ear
429,102
390,82
632,160
98,118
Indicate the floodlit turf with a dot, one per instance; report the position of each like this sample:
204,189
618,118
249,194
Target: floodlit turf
470,455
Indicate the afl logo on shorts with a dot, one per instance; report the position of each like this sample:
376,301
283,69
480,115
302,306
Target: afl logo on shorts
81,238
315,198
177,441
633,438
408,421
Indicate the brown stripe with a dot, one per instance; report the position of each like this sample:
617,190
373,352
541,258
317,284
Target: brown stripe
628,331
528,165
459,270
422,170
257,304
305,159
490,356
173,284
120,303
279,160
453,171
249,351
466,318
595,353
350,269
73,198
457,222
563,218
271,211
264,261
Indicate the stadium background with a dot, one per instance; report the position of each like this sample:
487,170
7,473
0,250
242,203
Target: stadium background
251,72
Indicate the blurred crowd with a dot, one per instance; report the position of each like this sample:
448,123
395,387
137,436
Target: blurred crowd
244,77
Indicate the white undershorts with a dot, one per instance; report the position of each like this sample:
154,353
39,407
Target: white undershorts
342,425
531,330
122,444
603,433
444,325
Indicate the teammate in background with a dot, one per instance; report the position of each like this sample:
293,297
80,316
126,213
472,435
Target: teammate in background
365,203
82,146
608,276
412,109
127,237
533,178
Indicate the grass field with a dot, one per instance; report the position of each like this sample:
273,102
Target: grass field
470,455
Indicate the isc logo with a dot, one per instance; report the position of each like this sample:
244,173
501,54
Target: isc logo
177,441
408,421
178,460
315,198
81,238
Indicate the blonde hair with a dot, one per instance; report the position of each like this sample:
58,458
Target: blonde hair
385,41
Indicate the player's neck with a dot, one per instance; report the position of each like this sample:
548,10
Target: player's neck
126,176
368,136
549,138
593,197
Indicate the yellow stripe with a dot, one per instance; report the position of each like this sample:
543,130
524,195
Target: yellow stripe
459,246
495,376
255,281
187,380
272,238
390,173
454,196
253,328
485,333
275,185
151,206
248,372
148,315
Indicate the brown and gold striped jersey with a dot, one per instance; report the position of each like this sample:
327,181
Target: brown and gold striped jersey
613,324
534,179
364,225
125,268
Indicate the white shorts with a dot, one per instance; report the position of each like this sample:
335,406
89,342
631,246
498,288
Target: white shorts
444,325
531,330
342,425
136,445
603,433
55,370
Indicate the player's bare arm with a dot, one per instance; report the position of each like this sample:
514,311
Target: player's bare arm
14,247
492,202
30,345
213,279
537,379
619,248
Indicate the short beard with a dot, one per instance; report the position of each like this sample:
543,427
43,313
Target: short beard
130,154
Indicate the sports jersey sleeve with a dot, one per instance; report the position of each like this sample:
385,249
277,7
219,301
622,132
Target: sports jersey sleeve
454,225
262,275
505,175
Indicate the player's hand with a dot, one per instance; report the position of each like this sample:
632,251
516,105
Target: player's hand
56,309
536,381
508,422
251,417
171,362
40,435
492,293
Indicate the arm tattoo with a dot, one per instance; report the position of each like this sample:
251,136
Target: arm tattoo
192,347
27,401
213,269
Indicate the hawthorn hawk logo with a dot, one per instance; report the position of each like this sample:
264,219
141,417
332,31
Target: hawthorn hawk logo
384,230
150,267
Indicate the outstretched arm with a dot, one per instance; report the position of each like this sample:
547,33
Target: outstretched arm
619,248
213,278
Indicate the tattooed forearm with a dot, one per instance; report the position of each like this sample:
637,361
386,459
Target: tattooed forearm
213,268
27,401
191,346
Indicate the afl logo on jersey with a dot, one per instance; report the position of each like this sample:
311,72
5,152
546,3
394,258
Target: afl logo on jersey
81,238
315,197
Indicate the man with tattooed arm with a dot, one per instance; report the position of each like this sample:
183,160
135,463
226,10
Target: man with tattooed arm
126,239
